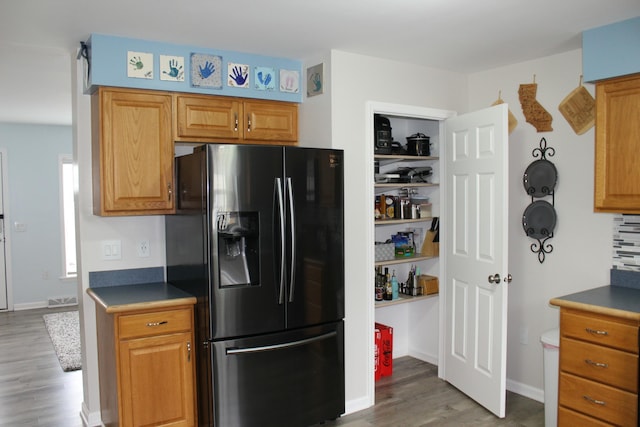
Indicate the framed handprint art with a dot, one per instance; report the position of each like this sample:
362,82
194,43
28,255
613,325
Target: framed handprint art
237,75
289,81
172,68
206,71
315,80
140,65
264,78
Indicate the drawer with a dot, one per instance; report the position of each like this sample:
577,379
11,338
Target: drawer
600,330
154,323
569,418
598,400
603,364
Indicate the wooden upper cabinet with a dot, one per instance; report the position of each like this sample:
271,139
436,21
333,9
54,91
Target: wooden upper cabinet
202,118
617,154
270,121
132,152
207,117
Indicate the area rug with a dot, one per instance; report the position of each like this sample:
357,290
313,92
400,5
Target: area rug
64,330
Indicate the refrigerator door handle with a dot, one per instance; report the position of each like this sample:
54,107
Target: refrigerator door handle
232,351
292,276
278,191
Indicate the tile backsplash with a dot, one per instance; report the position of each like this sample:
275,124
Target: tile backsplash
626,242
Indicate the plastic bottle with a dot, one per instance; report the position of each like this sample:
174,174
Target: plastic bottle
394,285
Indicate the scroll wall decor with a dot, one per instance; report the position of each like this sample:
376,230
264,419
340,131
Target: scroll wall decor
539,218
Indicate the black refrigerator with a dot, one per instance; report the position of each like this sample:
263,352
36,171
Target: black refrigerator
258,238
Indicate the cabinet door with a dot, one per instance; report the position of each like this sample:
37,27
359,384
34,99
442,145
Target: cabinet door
271,121
157,381
207,117
617,165
133,153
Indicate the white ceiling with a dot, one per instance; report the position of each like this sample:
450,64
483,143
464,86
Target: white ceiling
38,36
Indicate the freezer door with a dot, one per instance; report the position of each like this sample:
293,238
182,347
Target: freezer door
315,202
245,223
293,378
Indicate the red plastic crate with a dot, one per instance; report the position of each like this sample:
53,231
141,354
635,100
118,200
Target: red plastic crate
384,350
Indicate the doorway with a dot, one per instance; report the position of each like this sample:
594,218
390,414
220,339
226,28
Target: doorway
4,294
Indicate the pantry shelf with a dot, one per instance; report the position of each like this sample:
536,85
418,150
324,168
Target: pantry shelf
404,299
403,260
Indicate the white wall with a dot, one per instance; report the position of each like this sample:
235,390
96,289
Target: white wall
581,255
91,230
35,254
355,81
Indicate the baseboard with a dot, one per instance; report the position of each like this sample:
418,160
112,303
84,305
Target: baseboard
425,357
525,390
90,419
30,305
356,405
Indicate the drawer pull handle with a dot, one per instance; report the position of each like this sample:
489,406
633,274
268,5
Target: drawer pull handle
596,364
595,401
152,324
596,332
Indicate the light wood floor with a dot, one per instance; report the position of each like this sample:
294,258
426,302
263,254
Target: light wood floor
414,396
34,391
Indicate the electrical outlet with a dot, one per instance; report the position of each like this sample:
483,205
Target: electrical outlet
143,248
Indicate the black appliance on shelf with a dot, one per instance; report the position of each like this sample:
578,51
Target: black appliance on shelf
258,238
382,134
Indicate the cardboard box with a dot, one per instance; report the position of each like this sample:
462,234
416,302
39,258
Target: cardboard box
385,349
429,284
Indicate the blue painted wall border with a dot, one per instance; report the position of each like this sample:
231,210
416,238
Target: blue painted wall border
611,50
108,56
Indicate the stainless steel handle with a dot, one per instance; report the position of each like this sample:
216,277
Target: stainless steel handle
494,279
292,221
596,364
262,348
153,324
235,128
248,122
278,190
170,191
596,332
188,351
594,401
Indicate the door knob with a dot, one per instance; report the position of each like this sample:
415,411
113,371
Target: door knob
508,279
494,279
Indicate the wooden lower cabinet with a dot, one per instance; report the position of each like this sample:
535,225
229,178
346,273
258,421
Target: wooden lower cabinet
598,378
147,367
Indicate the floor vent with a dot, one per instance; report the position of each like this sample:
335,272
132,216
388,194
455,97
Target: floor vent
62,301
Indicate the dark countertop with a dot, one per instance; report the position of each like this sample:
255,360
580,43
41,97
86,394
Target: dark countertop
615,301
115,299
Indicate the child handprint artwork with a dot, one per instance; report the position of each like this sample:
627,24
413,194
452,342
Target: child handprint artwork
265,78
237,75
206,71
172,68
140,65
289,81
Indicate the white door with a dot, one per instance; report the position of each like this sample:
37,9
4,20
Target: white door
474,225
